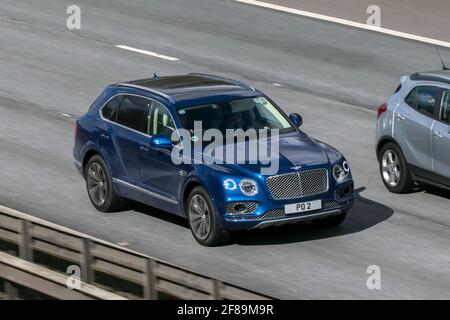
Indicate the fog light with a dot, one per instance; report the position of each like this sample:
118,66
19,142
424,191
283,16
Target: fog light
240,208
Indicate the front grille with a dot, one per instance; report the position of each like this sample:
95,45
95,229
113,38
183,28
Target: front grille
279,213
250,205
298,184
330,205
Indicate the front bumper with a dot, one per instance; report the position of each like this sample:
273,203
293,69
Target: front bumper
289,220
266,212
277,216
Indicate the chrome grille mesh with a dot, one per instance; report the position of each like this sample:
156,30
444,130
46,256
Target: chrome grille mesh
330,205
298,184
279,213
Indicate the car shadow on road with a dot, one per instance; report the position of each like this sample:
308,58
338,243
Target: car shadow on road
364,214
157,213
435,191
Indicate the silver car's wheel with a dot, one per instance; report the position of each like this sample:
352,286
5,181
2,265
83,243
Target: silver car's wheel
394,169
97,184
391,169
200,216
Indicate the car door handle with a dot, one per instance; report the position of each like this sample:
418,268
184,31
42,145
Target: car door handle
143,149
400,117
104,136
437,135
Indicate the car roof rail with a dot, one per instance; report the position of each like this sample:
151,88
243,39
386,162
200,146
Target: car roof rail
213,77
154,91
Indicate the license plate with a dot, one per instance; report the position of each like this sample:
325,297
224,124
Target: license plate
303,206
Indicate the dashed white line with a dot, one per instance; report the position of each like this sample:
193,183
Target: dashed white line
346,22
149,53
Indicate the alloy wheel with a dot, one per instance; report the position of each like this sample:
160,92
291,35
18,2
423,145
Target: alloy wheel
390,166
199,215
97,184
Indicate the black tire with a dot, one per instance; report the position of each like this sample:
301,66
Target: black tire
331,221
405,182
111,201
214,234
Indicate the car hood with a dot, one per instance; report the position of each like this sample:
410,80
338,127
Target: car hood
296,150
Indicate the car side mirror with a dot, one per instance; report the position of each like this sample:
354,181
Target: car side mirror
296,119
160,141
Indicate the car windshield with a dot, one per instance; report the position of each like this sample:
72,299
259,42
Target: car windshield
253,113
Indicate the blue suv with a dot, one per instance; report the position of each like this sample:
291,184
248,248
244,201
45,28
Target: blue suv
124,147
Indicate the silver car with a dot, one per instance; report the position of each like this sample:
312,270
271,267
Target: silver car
413,132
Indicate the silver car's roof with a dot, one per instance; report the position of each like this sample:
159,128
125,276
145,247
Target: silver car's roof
442,76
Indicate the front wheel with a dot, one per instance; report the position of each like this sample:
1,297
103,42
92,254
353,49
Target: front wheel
203,220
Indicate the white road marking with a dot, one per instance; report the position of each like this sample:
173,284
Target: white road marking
276,84
149,53
347,22
66,115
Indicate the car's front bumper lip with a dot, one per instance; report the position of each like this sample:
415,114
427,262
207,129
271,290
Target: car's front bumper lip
288,220
236,222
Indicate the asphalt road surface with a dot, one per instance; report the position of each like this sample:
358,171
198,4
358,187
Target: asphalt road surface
422,18
334,76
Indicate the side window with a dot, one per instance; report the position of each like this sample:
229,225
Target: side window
133,113
445,107
423,99
161,122
109,111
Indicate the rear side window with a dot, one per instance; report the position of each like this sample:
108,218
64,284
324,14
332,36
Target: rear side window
423,99
445,107
109,111
133,113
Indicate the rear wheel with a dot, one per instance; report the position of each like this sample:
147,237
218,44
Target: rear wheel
394,170
203,220
331,221
99,185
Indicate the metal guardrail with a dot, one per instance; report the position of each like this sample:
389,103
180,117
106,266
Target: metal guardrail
43,280
92,254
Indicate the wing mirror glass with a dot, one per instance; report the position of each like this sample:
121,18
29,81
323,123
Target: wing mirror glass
160,141
296,119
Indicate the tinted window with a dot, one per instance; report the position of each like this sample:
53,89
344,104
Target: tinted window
423,99
133,113
445,107
254,113
109,111
160,121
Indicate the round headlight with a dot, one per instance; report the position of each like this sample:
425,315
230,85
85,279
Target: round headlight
338,173
248,187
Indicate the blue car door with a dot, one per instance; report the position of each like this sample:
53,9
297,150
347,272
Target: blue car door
130,134
158,173
106,134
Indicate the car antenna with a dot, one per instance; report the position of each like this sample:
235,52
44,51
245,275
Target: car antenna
155,76
444,67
